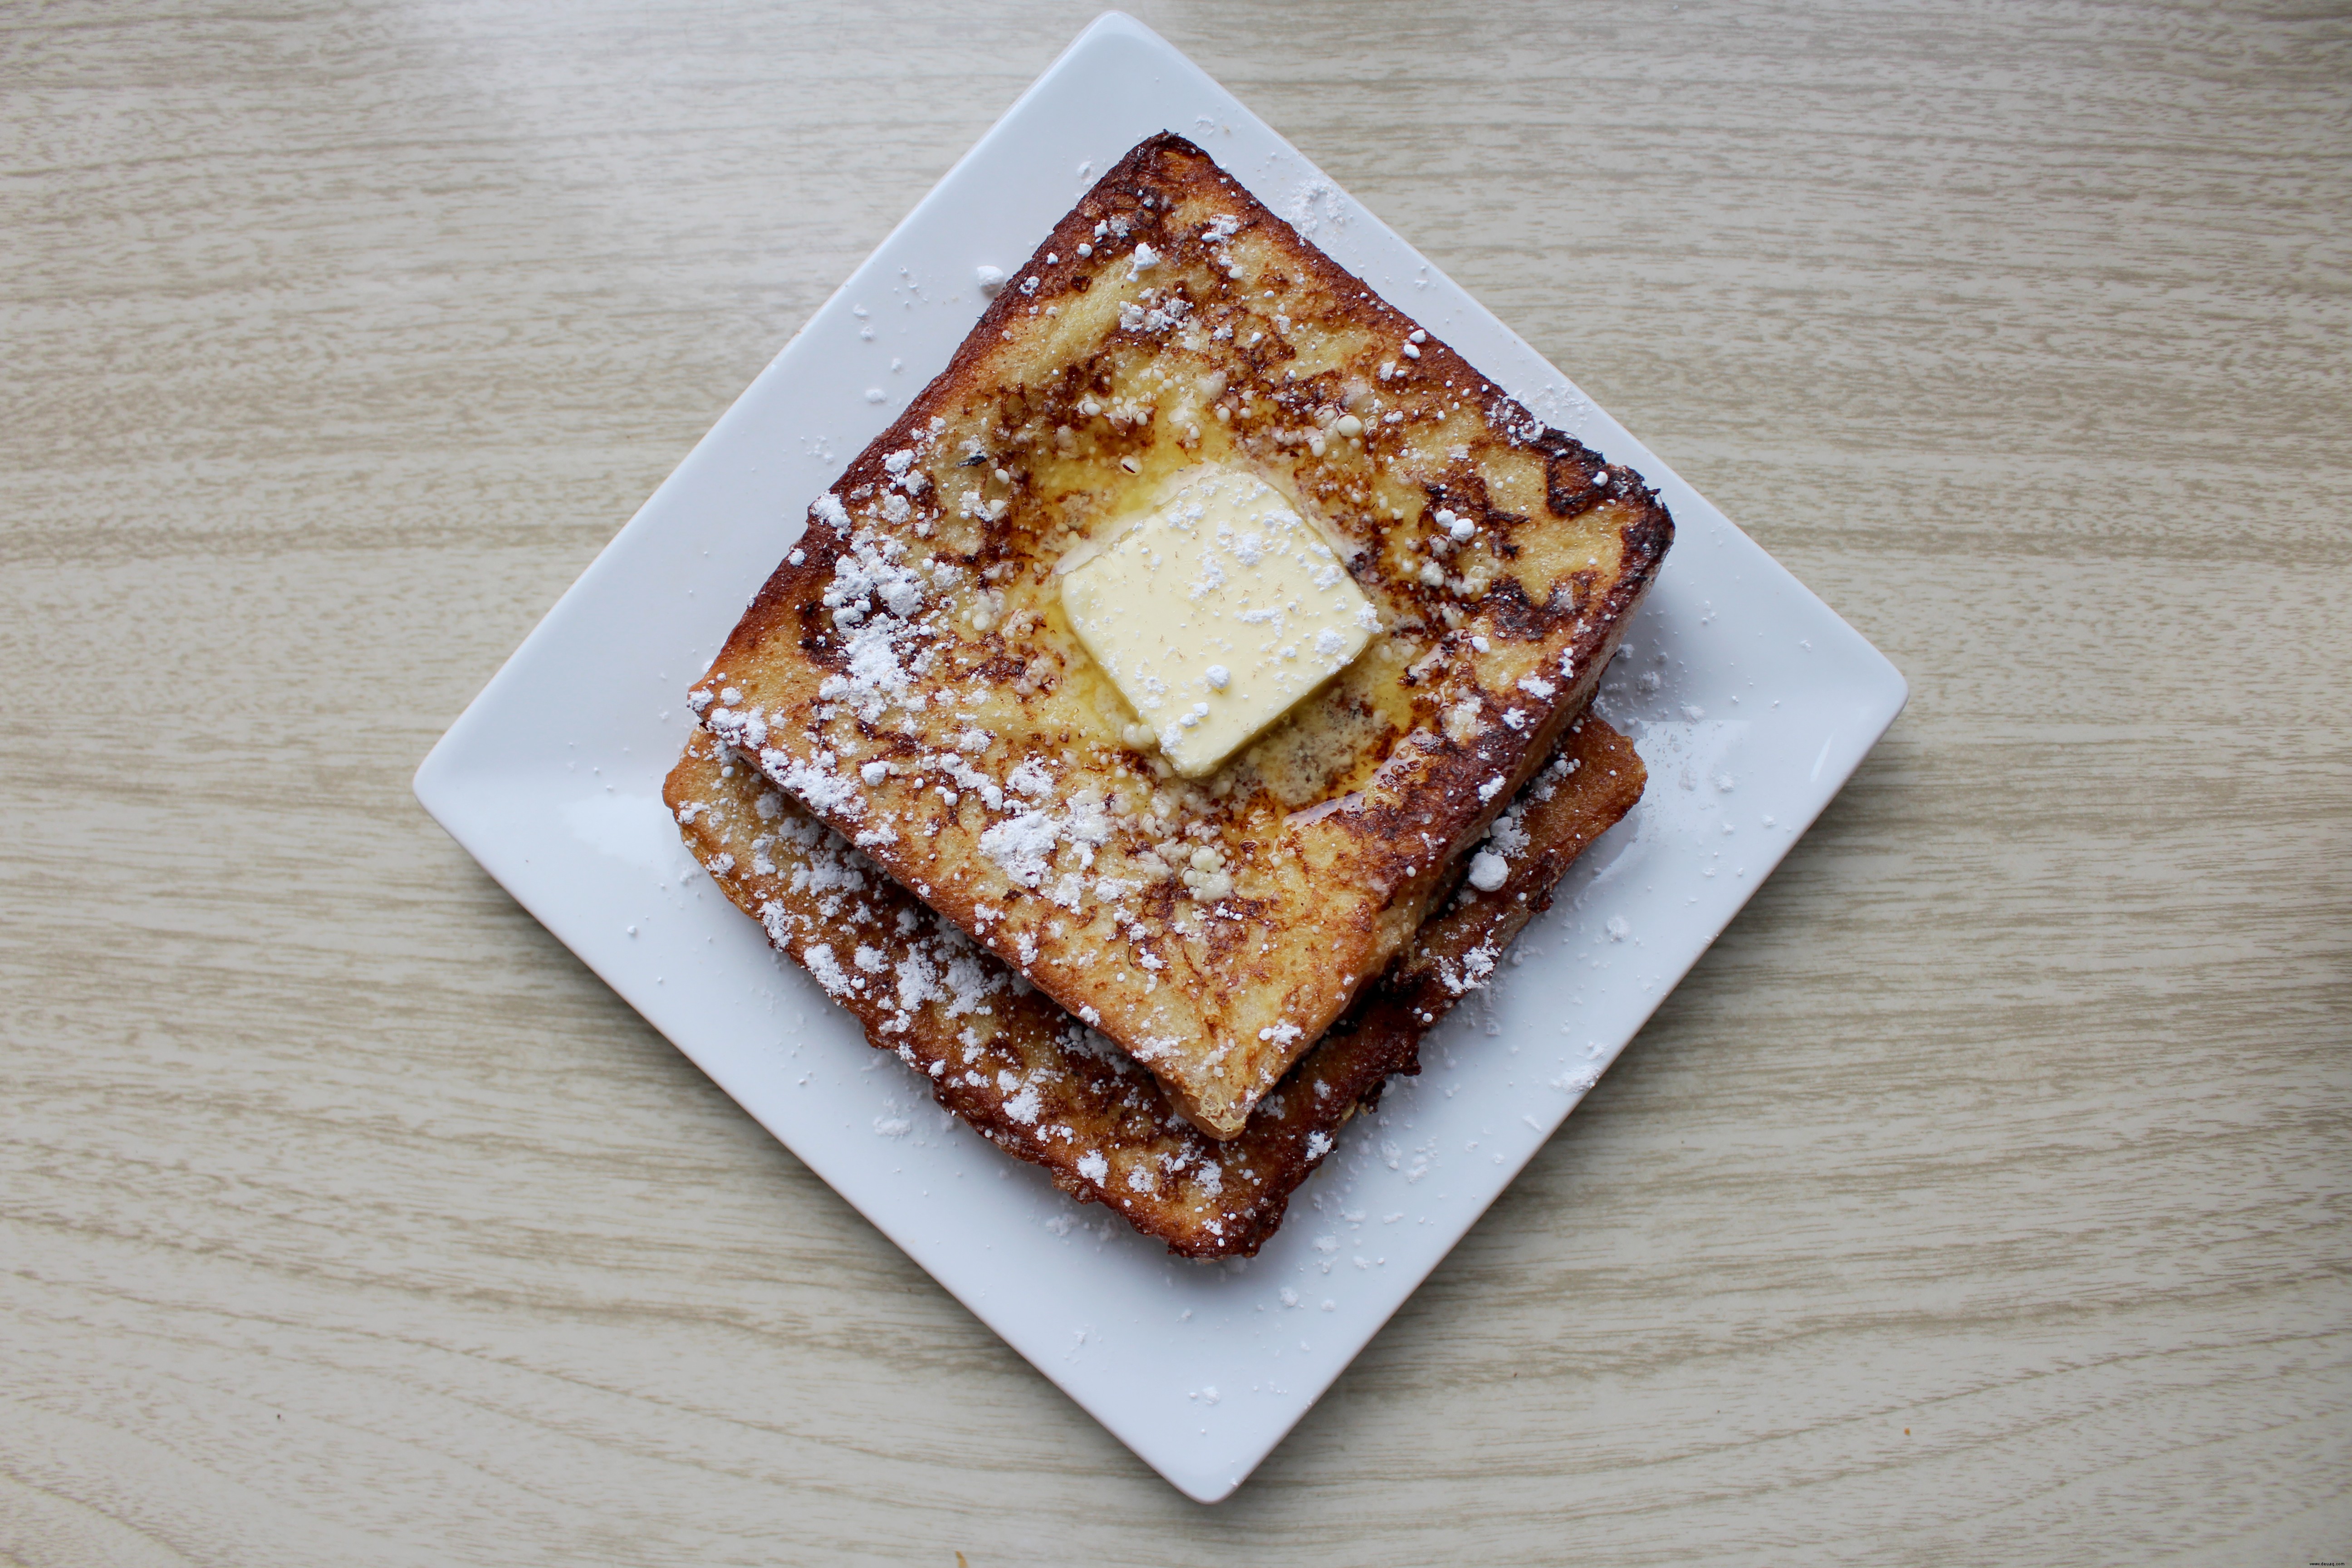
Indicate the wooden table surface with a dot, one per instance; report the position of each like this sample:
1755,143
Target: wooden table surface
1982,1197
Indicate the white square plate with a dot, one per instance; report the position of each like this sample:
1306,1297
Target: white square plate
1763,703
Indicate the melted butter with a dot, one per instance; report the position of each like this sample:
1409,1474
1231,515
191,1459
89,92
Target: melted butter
1214,611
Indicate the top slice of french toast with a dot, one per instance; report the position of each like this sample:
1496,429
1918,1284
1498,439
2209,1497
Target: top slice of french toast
909,671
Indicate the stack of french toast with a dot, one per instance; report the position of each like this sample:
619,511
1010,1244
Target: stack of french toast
1178,708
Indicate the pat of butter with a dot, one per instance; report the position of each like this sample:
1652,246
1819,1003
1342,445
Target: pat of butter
1214,611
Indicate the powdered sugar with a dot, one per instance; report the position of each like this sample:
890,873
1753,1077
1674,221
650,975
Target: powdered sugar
814,782
1022,848
820,961
1025,847
874,597
1472,972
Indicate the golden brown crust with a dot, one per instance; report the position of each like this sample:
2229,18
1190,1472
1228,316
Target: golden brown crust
1022,1072
908,673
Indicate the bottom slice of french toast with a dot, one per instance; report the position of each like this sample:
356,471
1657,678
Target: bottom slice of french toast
1042,1086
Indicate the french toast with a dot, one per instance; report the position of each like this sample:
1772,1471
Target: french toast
909,671
1044,1088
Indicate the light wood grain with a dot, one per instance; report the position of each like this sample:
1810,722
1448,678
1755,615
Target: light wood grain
1982,1197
